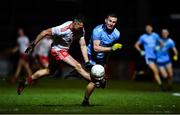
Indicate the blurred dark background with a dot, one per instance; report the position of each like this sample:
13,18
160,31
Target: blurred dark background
36,15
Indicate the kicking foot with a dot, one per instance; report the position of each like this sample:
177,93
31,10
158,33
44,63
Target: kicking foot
103,83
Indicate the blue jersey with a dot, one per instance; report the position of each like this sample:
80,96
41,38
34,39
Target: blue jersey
163,52
106,39
149,41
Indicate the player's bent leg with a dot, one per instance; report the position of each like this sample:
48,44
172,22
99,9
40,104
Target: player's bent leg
82,72
163,72
18,70
169,69
71,61
170,76
27,67
154,68
38,74
164,75
23,83
89,89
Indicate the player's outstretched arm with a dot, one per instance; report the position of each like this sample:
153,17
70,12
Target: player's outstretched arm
98,48
43,34
40,36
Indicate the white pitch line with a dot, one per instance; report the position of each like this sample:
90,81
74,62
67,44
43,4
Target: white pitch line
176,94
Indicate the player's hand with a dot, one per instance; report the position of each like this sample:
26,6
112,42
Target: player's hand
142,53
116,46
157,48
88,66
30,48
175,57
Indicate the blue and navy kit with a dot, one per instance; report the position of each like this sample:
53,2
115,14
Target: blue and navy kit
107,38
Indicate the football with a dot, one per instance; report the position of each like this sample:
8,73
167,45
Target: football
98,71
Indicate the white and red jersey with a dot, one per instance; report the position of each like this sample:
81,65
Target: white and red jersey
43,47
23,43
64,36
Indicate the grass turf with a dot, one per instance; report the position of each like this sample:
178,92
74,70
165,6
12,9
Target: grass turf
55,95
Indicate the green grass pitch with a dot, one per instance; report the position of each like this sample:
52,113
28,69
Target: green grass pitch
56,95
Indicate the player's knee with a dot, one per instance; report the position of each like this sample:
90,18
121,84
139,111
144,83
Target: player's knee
78,66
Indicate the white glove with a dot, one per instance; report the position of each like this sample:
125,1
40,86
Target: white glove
142,53
157,48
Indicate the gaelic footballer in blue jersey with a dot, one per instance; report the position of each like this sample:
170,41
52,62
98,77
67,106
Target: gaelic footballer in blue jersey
102,41
163,58
149,40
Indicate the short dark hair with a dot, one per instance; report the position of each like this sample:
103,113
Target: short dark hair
111,15
79,18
